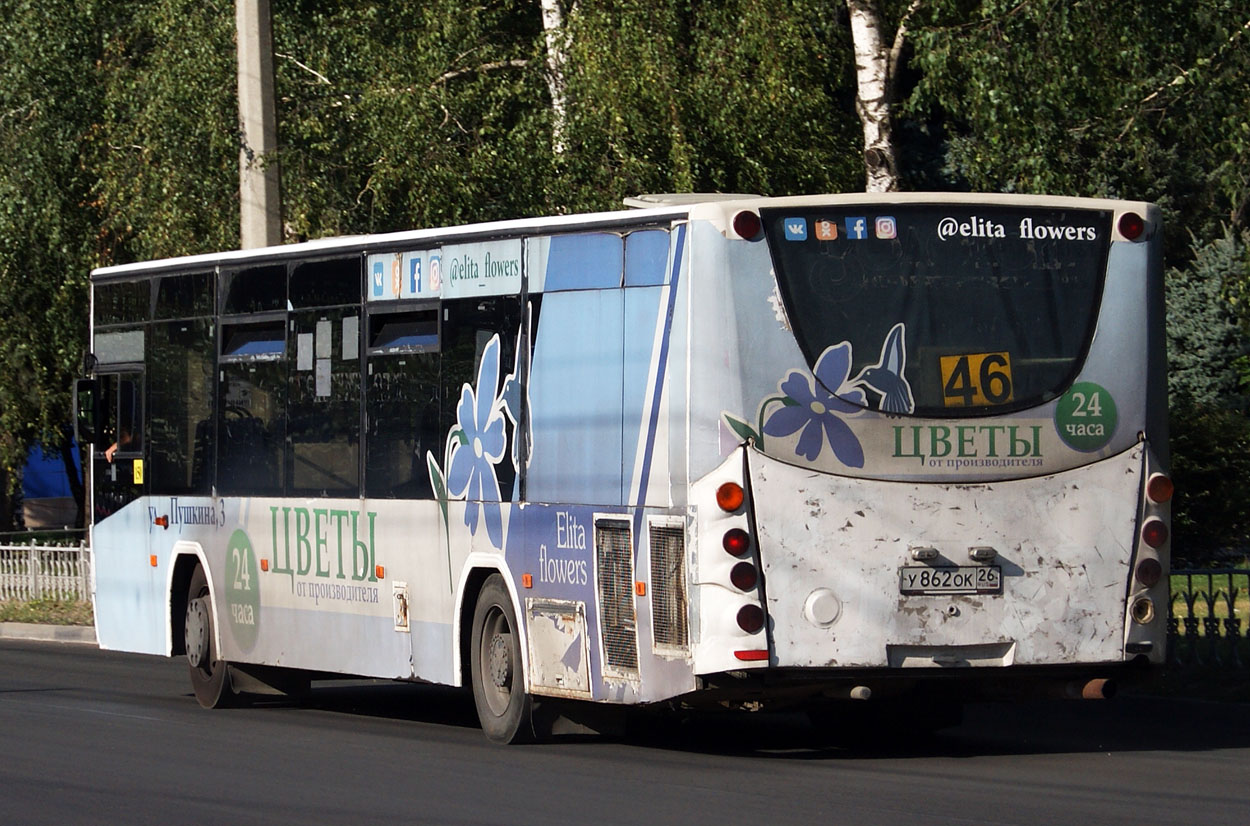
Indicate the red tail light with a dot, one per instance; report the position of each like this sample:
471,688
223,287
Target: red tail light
750,618
1155,532
1132,226
1159,488
1149,572
747,225
744,576
736,541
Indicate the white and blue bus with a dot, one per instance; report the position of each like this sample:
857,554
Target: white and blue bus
710,450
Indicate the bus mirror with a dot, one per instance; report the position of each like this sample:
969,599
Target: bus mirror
87,413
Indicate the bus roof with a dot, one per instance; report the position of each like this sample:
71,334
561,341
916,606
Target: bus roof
654,208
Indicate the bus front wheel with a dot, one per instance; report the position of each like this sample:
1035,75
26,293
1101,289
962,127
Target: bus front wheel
495,662
210,675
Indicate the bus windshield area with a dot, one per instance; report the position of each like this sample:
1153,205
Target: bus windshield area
949,310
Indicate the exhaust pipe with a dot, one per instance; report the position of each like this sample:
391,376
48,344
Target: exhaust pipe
1102,688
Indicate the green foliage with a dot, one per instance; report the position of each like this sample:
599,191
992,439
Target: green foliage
1205,341
1211,469
47,227
1096,98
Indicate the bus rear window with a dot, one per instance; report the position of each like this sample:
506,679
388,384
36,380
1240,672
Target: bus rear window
950,310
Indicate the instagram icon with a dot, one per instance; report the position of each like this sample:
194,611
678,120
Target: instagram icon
886,227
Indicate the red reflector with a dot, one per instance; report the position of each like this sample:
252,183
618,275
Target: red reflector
751,656
736,541
747,225
730,497
750,618
1159,488
743,576
1132,226
1155,532
1149,572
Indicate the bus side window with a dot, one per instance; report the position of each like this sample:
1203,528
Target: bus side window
468,327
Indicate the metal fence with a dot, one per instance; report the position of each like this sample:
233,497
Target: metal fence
30,572
1206,618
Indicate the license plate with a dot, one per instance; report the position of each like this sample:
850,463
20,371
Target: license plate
964,579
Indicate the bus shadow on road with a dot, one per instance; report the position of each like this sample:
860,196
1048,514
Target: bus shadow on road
1124,724
988,729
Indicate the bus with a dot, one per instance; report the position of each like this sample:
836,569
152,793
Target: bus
871,451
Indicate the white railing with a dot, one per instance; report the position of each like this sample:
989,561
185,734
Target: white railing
30,572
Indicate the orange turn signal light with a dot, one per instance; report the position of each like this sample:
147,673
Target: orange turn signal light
730,496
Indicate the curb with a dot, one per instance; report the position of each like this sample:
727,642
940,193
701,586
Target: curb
81,634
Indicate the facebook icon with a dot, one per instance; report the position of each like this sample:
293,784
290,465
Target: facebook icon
857,228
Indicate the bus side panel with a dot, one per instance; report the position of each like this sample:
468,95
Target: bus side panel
129,594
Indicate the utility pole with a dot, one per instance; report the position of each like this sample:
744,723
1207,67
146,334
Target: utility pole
260,208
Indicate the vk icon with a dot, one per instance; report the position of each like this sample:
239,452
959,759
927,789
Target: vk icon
377,279
857,228
796,229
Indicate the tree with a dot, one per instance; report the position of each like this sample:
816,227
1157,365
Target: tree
48,107
877,64
1096,98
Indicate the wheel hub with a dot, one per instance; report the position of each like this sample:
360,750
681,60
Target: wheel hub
196,633
500,661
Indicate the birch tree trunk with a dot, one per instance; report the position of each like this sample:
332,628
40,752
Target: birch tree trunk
876,66
557,60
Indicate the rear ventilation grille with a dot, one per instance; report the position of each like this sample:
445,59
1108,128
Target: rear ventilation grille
614,568
668,585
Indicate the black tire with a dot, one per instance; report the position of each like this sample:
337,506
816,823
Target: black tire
503,707
210,675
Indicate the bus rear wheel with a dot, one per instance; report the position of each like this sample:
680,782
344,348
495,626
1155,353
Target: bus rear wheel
210,675
503,707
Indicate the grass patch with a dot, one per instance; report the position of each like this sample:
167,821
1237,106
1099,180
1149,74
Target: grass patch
47,612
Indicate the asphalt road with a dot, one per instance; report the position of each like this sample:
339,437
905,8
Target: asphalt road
93,737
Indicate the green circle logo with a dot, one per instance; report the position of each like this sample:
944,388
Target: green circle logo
1085,417
242,590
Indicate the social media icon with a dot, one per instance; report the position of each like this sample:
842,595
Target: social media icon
857,228
414,275
377,279
826,230
886,227
796,229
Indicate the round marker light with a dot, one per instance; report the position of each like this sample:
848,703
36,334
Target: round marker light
1155,532
736,541
750,618
730,496
747,225
743,576
1149,572
1132,226
1159,488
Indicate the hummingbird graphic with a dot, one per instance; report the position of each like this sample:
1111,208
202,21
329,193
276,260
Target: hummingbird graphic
886,376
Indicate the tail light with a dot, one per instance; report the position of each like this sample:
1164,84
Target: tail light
744,576
750,618
736,541
1131,226
1149,572
747,225
1159,488
1155,532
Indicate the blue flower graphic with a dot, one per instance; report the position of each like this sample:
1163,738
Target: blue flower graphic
479,448
814,408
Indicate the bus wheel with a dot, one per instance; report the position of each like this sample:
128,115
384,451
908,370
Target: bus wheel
495,661
210,676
